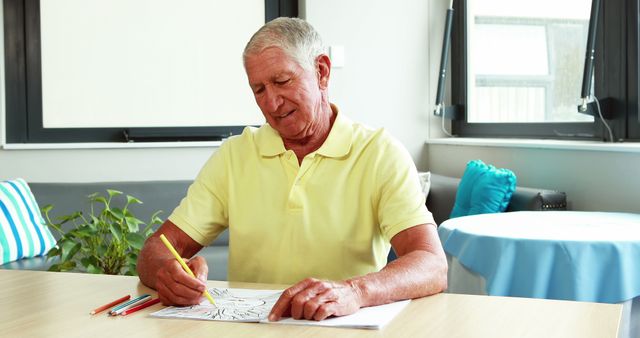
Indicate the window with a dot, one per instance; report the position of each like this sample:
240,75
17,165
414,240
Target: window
29,74
517,68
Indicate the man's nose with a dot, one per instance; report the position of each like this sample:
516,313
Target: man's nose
272,100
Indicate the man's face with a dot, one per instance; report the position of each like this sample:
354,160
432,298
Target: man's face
289,96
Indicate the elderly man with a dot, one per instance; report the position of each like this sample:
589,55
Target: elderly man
310,198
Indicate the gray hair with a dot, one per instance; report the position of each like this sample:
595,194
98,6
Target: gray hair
295,37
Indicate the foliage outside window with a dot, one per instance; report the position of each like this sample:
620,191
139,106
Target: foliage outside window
525,60
517,68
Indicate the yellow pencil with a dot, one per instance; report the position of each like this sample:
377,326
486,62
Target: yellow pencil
184,265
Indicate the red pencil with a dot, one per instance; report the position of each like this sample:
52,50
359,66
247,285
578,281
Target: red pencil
141,306
106,306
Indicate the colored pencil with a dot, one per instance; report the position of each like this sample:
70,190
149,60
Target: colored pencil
184,265
118,309
140,307
106,306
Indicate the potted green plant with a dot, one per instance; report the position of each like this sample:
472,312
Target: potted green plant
106,241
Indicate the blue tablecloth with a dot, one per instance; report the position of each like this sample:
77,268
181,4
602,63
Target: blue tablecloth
567,255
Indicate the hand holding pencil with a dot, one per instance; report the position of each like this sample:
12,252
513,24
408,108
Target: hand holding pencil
183,264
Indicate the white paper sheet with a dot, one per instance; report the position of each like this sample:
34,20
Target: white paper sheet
251,305
374,317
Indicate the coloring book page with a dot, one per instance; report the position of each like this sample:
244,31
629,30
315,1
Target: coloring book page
239,305
251,305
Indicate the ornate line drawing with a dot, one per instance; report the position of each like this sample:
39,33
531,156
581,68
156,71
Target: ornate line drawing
240,305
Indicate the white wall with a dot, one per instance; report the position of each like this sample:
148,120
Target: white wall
102,165
385,83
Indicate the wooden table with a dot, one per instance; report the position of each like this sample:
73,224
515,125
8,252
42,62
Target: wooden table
55,304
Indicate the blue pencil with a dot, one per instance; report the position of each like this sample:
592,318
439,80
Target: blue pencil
118,309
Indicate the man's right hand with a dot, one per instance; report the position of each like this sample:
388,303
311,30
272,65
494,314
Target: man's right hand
159,269
176,287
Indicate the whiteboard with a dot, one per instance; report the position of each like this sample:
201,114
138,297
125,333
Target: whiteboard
147,63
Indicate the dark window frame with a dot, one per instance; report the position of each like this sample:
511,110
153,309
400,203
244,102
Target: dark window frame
23,86
616,78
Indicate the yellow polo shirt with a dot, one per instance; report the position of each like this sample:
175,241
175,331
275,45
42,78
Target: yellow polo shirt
331,217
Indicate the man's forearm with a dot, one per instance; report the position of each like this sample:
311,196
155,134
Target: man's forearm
420,270
417,274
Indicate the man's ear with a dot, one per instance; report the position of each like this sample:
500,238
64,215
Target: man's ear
323,70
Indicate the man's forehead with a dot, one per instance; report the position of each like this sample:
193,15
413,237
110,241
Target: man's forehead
270,52
271,65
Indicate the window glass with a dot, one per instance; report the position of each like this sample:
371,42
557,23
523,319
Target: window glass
525,60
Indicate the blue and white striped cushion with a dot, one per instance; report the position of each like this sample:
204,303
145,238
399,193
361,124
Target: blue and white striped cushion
23,232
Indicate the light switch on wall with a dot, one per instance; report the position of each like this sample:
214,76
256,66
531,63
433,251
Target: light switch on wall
336,54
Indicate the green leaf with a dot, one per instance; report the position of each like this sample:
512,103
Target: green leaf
155,220
66,218
133,224
132,258
128,213
65,247
86,261
116,213
94,219
94,269
102,200
85,232
67,266
91,264
102,250
95,223
53,252
135,240
112,192
47,208
69,250
116,232
131,199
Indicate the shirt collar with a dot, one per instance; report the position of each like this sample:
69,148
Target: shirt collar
269,142
337,144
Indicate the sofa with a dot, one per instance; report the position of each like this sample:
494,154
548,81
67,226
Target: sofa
166,195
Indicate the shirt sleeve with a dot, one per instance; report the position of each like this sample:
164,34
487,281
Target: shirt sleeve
203,213
401,203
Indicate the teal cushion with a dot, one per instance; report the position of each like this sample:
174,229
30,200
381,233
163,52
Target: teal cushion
22,230
483,189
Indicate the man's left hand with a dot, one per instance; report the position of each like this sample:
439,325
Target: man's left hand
315,299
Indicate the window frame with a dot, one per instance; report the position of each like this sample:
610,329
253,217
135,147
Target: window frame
616,50
633,70
23,86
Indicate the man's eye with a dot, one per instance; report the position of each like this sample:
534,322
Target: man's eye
281,82
258,90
